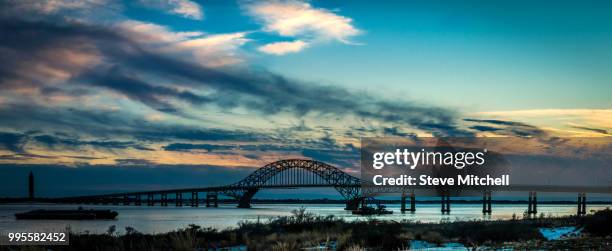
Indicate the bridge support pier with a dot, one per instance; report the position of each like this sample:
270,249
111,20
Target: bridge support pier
211,200
164,199
486,202
581,204
195,202
412,203
150,201
178,199
126,200
532,208
445,203
245,199
138,201
403,201
353,204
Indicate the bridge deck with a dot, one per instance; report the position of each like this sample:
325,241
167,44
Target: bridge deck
290,174
514,188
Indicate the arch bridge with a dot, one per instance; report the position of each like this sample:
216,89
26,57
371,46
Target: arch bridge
303,173
290,173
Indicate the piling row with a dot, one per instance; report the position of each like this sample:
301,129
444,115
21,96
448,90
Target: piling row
212,200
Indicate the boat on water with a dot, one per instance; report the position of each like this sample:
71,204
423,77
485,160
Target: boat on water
367,210
79,214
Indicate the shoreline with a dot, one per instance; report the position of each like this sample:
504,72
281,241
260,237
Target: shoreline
303,230
5,201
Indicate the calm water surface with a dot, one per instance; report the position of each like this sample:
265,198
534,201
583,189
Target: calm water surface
159,219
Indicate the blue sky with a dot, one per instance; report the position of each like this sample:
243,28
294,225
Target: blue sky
473,50
238,84
476,55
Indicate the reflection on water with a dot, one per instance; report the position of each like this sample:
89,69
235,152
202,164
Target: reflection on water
163,219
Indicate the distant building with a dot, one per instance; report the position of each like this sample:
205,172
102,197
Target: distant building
31,186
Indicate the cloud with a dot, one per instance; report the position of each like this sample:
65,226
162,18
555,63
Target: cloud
25,156
13,142
590,117
213,50
103,124
596,130
53,6
74,10
324,149
185,8
300,20
282,48
17,142
296,19
561,122
169,76
134,162
54,141
397,132
154,96
188,147
142,69
32,62
482,128
155,34
504,127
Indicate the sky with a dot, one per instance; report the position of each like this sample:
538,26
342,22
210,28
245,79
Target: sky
198,90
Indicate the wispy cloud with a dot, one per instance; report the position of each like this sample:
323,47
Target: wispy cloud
13,142
301,20
185,8
506,127
282,48
212,50
560,120
255,90
142,68
595,130
53,6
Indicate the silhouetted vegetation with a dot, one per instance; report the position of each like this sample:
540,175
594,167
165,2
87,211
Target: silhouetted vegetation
599,223
303,230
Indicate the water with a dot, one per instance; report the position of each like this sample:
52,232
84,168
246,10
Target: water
159,219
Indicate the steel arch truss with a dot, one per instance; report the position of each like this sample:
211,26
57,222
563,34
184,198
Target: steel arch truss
347,185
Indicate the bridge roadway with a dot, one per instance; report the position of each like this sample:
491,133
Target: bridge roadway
512,188
301,173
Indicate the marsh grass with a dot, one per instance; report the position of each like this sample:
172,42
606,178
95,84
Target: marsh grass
306,230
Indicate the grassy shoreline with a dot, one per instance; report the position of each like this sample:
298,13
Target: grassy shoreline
305,230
